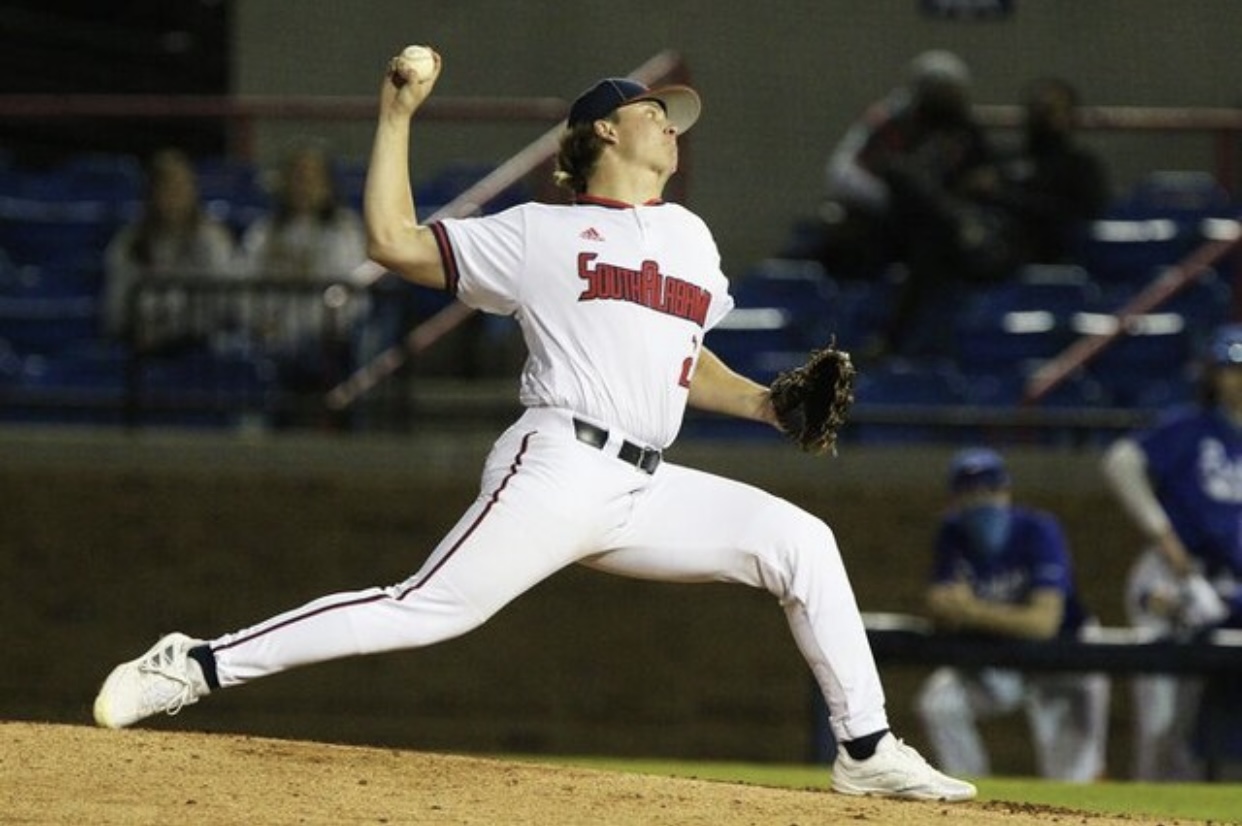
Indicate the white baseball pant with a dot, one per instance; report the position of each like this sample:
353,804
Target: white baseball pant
1067,715
1166,708
548,500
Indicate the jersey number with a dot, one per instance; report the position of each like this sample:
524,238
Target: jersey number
687,367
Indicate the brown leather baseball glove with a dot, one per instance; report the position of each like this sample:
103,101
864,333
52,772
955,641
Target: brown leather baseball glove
813,400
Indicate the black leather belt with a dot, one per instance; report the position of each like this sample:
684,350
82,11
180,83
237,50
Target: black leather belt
646,459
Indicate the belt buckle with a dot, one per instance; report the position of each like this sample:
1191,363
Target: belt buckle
646,459
649,459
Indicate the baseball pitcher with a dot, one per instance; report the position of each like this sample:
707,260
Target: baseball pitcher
613,294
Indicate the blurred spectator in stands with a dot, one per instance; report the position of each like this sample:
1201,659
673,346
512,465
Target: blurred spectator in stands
1054,186
310,234
1181,482
309,238
913,182
1003,570
172,236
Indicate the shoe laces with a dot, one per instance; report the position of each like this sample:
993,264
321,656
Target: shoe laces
165,663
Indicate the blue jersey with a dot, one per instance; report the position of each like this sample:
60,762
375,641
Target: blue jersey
1035,556
1194,462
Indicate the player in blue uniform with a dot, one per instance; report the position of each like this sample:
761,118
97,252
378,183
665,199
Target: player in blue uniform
1181,482
1004,570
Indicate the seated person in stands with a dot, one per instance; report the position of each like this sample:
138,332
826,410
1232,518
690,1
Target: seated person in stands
914,182
309,233
310,237
172,236
1180,481
1053,185
1004,570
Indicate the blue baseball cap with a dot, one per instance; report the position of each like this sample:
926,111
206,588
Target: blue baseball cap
681,103
1225,346
977,467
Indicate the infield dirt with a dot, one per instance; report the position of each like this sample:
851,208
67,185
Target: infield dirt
63,774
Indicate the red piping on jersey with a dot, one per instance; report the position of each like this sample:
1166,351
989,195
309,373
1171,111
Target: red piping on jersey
492,500
596,200
447,258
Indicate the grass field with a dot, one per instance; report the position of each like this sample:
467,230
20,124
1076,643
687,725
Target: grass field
1217,803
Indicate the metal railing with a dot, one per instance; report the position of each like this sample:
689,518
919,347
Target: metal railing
261,349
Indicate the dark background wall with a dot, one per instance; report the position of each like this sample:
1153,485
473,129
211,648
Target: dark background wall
110,541
134,47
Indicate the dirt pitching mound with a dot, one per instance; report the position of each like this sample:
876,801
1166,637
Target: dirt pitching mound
63,774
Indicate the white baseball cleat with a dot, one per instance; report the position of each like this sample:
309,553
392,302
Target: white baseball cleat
164,679
896,770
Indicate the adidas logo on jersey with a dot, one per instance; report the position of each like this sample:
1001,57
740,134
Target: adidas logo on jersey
590,234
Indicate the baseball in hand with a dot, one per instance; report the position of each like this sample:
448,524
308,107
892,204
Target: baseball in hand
420,60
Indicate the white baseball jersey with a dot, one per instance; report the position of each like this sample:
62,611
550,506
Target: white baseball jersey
588,284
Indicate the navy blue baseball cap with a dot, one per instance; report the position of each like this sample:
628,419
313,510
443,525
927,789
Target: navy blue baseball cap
681,103
977,467
1226,345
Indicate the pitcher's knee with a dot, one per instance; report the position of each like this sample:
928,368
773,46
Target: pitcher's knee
803,546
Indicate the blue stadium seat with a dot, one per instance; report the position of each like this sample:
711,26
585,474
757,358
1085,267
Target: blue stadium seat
47,324
57,279
783,282
1059,287
1207,303
1204,305
12,276
204,389
899,381
782,311
232,191
902,388
861,310
451,180
86,366
1027,318
1004,391
1153,347
33,231
1164,391
800,289
1007,389
757,341
83,383
102,176
89,176
1163,217
351,179
1174,193
10,364
1128,250
230,179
